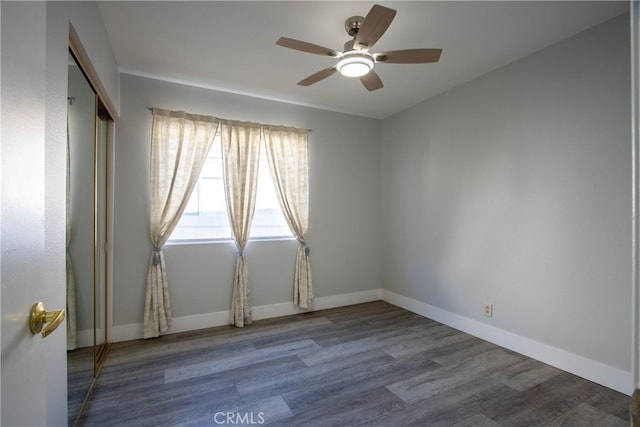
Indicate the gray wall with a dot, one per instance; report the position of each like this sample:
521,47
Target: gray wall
344,207
515,189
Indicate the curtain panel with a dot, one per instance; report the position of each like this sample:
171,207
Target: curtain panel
180,143
288,154
240,161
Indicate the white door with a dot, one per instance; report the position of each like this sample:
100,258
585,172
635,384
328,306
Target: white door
33,380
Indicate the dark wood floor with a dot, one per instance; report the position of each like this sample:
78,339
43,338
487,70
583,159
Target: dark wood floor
370,364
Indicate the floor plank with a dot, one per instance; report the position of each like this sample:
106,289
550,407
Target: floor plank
446,378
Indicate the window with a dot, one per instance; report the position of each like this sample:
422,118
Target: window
205,217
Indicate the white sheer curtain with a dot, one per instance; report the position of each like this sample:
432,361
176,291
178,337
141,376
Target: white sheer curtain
180,143
240,155
288,153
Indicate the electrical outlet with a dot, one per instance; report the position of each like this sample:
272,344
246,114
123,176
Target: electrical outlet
488,310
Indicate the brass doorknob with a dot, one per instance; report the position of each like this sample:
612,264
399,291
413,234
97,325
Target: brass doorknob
39,317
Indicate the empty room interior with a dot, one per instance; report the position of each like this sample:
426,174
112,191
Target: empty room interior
454,246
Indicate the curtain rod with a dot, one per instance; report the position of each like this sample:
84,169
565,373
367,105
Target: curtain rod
309,130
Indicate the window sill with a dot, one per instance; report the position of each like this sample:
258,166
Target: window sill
183,242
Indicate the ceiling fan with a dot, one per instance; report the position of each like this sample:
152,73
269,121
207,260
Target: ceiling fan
356,60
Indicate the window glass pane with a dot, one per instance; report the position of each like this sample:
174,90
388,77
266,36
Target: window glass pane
206,214
193,207
211,196
268,220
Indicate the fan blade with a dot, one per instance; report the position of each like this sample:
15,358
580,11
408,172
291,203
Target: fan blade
306,47
371,81
374,26
409,56
314,78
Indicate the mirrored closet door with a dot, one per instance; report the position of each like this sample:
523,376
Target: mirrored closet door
87,142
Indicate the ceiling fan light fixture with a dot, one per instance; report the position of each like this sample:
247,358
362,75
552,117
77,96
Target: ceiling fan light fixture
355,63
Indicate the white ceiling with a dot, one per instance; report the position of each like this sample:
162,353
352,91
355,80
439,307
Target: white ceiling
230,46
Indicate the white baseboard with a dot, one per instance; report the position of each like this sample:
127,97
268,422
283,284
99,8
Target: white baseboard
208,320
600,373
